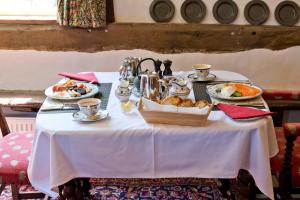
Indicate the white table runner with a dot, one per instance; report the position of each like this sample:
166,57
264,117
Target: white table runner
124,146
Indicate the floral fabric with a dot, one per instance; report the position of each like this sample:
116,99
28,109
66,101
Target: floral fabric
184,192
200,192
82,13
134,182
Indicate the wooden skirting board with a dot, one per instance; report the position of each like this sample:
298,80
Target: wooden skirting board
163,38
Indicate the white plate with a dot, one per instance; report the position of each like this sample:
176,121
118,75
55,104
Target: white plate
79,116
213,91
66,96
194,78
180,94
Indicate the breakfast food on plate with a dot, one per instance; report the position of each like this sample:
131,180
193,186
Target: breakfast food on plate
70,89
186,103
171,100
201,103
238,90
227,91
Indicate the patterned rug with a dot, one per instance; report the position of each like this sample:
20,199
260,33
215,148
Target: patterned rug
162,189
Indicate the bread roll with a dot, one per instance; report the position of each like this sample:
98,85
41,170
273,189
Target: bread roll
186,103
171,100
201,103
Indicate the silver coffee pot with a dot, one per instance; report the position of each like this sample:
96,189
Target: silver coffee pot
152,87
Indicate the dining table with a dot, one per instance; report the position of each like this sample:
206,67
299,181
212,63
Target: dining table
125,146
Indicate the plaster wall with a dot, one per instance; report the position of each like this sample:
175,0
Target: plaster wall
138,11
36,70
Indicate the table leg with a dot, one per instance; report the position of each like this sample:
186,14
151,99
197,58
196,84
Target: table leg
245,186
225,188
76,189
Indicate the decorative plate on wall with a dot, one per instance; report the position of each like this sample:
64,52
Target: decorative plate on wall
162,10
287,13
256,12
225,11
193,11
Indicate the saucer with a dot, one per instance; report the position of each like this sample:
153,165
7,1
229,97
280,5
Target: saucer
180,94
80,116
194,78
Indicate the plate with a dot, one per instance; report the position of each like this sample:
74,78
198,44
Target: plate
66,96
80,116
193,11
213,91
193,78
256,12
180,94
225,11
287,13
162,10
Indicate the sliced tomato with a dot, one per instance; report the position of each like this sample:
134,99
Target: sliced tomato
58,88
81,86
54,88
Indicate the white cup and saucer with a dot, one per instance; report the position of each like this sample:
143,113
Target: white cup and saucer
202,73
179,88
90,110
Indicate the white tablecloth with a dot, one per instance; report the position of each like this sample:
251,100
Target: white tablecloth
124,146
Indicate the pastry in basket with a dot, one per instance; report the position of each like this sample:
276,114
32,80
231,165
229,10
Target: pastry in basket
171,100
186,103
201,103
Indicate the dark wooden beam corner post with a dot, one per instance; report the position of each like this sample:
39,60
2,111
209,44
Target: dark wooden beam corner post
110,15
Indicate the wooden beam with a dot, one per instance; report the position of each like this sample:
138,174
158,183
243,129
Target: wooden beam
163,38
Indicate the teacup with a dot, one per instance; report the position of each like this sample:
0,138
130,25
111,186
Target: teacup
89,106
201,70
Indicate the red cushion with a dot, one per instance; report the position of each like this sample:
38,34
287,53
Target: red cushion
15,150
276,162
281,94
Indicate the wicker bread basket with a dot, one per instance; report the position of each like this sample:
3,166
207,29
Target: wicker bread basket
174,118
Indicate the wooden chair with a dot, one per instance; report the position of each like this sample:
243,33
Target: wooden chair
15,150
285,165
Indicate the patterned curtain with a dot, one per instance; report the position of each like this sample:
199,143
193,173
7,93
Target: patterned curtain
82,13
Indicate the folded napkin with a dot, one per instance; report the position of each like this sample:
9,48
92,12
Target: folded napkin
89,76
241,112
